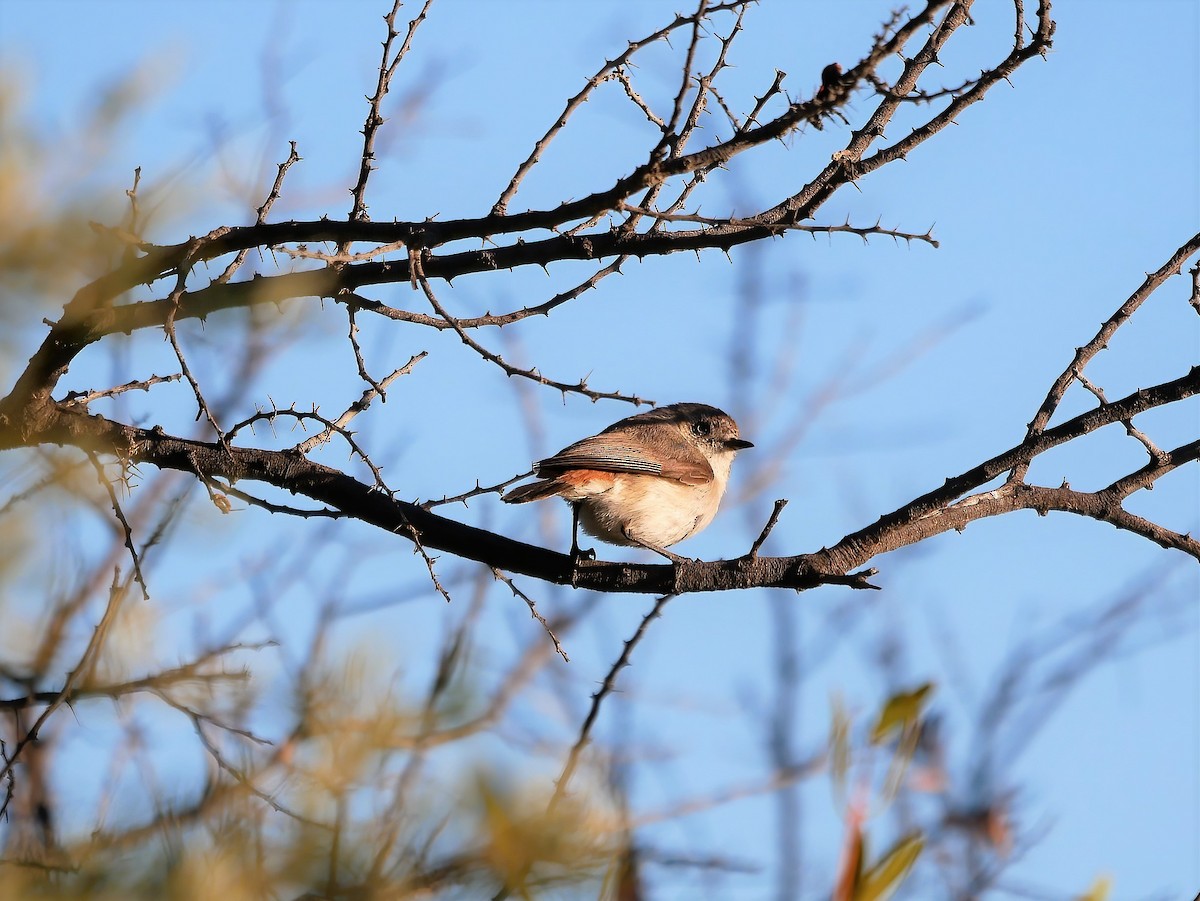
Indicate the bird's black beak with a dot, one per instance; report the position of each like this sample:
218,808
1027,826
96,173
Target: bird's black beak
738,444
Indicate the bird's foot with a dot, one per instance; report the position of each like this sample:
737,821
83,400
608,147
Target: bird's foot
578,553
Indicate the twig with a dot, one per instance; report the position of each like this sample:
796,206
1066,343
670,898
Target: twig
387,69
156,684
670,141
415,537
917,96
532,610
500,207
474,492
1084,354
261,213
341,256
758,542
133,223
120,514
675,143
863,232
623,77
358,357
1133,431
775,88
82,670
83,398
338,425
510,370
498,320
301,416
270,507
193,254
606,688
239,777
55,479
781,778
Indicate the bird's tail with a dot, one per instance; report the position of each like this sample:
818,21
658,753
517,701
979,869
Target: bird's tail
534,491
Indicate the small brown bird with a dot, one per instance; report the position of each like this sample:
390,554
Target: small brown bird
830,76
650,480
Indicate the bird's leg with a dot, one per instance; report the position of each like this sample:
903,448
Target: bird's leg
674,558
577,553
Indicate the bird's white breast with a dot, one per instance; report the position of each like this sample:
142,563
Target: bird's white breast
652,509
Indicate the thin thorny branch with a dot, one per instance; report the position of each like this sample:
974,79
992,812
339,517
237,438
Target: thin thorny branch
606,688
533,611
533,375
127,531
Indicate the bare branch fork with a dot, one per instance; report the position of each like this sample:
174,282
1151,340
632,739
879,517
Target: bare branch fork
850,166
387,70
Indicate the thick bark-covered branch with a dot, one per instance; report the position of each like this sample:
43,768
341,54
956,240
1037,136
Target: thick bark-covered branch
928,515
933,513
294,472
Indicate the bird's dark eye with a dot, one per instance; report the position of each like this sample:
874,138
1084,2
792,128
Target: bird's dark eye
702,427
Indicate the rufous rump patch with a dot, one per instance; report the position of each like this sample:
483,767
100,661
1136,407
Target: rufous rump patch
587,480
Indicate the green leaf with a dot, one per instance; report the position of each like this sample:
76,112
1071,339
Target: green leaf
885,877
900,713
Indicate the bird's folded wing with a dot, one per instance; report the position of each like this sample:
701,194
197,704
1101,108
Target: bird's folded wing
682,461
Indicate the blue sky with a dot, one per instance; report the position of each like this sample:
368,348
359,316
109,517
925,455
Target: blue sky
1050,200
